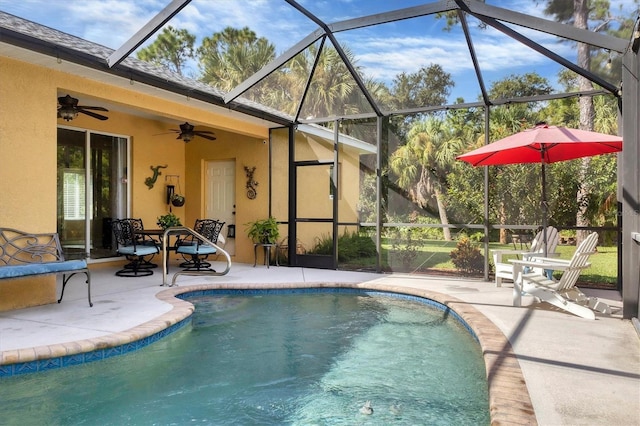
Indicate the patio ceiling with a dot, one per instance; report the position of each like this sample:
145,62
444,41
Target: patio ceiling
413,30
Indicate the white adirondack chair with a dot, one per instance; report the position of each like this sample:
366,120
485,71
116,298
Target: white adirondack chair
504,270
563,293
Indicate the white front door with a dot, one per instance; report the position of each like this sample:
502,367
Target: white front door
220,196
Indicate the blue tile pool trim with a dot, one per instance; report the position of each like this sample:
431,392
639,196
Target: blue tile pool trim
345,290
100,354
86,357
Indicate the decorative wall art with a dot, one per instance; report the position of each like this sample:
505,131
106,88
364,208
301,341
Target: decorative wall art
251,184
150,181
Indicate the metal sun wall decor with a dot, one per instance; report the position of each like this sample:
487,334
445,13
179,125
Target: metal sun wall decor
251,184
150,181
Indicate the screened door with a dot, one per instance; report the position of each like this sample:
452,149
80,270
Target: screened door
315,213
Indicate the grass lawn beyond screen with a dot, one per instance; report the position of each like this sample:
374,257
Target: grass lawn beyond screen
434,256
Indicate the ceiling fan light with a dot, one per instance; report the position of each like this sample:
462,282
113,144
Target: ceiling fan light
186,137
68,113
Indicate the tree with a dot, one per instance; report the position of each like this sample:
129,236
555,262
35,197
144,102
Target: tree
578,13
172,48
511,198
598,197
332,87
465,195
423,164
229,57
429,86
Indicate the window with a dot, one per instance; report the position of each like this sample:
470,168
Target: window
74,194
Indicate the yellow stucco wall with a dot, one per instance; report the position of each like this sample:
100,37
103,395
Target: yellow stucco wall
28,170
27,147
245,151
313,198
28,139
28,142
280,176
313,185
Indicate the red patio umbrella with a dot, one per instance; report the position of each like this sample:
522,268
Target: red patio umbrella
543,144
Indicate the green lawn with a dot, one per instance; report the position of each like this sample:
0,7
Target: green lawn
604,265
433,256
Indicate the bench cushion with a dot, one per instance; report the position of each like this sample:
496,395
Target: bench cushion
15,271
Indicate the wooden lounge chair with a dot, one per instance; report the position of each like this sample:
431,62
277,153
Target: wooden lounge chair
504,270
563,293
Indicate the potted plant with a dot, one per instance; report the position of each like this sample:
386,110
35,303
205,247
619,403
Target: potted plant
168,220
177,200
264,231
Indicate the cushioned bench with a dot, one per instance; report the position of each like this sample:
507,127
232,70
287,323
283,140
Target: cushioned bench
23,254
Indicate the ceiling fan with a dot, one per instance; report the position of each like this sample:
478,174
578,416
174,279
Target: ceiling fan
69,109
187,132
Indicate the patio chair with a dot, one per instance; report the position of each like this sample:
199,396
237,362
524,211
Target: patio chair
563,293
135,247
505,270
196,250
190,240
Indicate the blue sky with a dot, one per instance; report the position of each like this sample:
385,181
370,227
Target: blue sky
382,51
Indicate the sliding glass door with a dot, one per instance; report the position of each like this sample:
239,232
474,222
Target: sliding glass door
92,190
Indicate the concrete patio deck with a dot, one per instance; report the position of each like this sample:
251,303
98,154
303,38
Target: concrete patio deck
577,371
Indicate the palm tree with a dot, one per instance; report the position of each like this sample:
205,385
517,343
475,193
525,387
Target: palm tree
423,163
330,90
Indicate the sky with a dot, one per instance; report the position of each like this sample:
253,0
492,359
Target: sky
382,52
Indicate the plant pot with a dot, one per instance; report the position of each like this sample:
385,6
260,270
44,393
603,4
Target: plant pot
177,200
168,220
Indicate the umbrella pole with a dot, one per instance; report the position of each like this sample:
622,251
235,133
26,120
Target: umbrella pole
544,205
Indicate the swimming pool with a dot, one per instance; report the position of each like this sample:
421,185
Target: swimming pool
287,375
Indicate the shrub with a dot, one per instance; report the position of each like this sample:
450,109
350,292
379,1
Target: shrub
323,245
467,257
477,237
426,233
350,246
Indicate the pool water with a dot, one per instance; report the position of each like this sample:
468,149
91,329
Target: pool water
298,359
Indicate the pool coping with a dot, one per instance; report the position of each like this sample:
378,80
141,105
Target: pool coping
509,400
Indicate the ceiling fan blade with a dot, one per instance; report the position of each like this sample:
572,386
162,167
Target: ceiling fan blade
95,108
94,115
206,135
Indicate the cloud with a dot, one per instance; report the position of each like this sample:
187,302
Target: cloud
384,58
278,22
